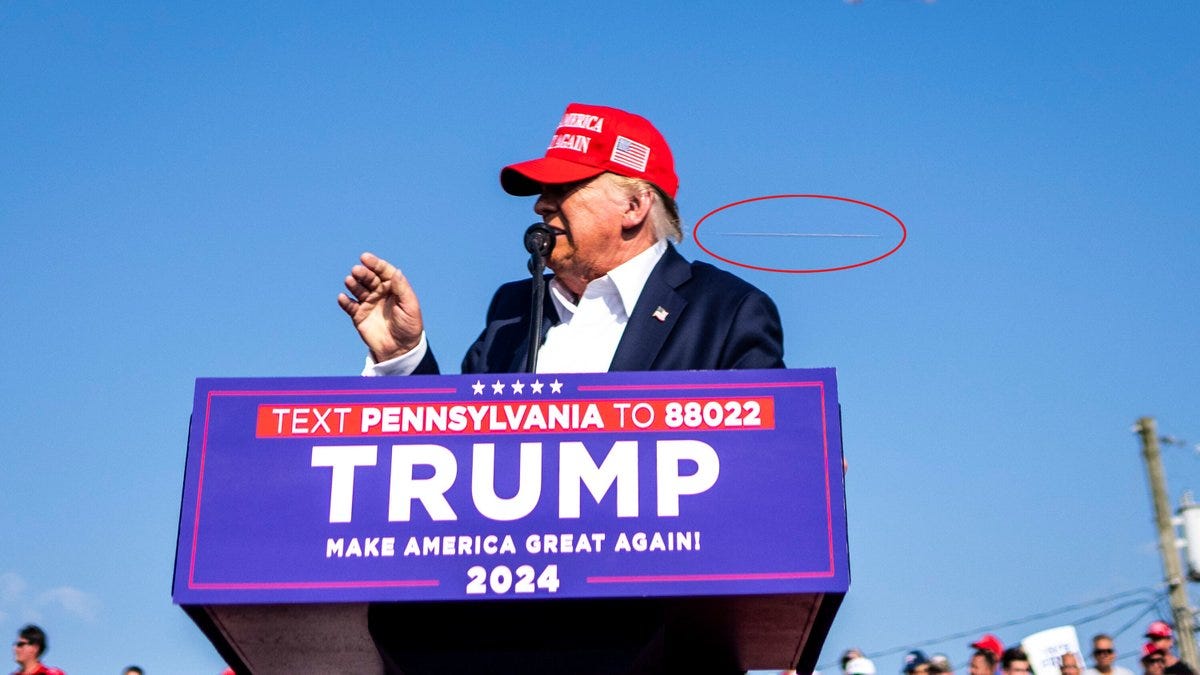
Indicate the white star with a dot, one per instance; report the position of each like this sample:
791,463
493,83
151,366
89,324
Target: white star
518,387
498,387
556,386
477,388
536,387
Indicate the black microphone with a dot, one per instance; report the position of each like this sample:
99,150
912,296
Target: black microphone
539,239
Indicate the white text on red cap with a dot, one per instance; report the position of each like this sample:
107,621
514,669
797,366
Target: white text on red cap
580,121
577,142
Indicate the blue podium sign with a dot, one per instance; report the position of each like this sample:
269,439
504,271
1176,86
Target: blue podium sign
515,486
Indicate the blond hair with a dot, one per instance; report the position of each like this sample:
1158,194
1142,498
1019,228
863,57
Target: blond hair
664,214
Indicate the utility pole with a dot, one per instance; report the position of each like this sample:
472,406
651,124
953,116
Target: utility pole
1172,570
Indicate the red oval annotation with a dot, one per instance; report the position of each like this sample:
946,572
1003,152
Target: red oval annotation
889,214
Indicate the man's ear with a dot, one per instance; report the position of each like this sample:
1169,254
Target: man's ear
637,208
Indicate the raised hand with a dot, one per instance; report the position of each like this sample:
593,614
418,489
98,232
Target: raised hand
384,308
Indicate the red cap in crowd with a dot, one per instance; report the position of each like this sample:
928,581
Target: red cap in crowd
1158,629
990,643
1148,650
592,139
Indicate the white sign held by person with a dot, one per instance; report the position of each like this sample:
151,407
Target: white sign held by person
1045,649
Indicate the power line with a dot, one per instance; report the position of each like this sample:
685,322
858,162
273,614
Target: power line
1148,604
1153,606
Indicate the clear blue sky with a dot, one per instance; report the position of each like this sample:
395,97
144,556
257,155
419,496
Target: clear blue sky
183,186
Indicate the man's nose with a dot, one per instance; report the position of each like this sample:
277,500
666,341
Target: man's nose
545,206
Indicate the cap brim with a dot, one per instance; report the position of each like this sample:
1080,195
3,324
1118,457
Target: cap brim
527,178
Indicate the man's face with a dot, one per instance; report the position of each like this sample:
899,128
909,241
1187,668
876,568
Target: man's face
980,666
1105,655
24,651
592,212
1069,665
1018,668
1163,644
922,669
1154,664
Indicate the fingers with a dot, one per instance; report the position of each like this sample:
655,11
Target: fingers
371,282
377,275
380,267
361,284
374,275
383,306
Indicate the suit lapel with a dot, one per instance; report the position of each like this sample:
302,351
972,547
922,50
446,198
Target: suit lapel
549,318
658,309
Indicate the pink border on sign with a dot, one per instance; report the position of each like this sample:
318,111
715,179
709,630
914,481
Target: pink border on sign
748,576
411,583
284,585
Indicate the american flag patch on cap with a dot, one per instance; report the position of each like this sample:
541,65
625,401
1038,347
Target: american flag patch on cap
630,153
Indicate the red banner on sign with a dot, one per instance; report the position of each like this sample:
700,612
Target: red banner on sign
606,415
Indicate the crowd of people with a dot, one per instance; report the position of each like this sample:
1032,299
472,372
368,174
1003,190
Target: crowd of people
990,657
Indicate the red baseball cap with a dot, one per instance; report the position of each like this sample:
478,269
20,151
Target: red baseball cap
592,139
1149,649
990,643
1159,629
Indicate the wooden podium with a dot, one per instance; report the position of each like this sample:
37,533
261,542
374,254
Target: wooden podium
624,523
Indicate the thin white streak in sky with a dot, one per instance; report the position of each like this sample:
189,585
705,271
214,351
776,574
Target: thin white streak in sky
796,234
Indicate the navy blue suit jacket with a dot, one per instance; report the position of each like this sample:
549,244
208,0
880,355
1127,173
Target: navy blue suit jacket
713,321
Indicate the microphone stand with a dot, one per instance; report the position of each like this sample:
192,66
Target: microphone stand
539,241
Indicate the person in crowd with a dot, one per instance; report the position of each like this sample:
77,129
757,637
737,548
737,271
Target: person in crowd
1104,657
1014,661
939,664
859,665
621,297
992,644
1159,634
28,649
915,663
988,650
848,656
1070,663
1154,662
983,662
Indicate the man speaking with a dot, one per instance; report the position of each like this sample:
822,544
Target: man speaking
621,297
